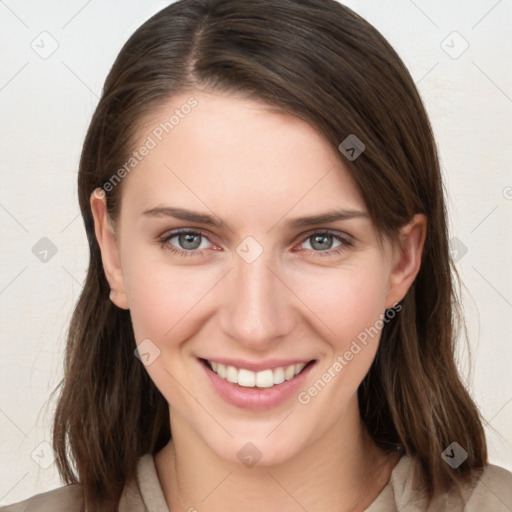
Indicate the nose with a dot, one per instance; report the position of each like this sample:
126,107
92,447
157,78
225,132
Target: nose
257,306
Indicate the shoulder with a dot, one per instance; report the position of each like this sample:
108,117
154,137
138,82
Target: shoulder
63,499
140,493
490,489
493,491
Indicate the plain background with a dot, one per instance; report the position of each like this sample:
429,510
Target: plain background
46,103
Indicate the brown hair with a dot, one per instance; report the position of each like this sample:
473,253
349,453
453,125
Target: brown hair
317,60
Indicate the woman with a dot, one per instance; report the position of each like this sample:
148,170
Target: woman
269,280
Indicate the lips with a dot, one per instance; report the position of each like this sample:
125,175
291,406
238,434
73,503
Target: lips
255,387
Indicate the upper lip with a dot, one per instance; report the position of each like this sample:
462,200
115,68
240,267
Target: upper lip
269,364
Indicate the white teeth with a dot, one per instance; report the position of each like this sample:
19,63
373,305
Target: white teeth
289,372
299,367
265,379
246,378
231,374
278,376
262,379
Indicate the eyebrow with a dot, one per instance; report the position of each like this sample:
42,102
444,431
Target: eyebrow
210,220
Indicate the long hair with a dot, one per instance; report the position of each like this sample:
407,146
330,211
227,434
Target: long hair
321,62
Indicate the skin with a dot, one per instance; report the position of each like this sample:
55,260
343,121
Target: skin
256,169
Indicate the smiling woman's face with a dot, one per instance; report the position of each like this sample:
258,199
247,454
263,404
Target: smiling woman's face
247,283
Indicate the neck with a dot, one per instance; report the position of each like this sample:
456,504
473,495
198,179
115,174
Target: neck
343,471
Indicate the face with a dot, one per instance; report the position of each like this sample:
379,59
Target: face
222,258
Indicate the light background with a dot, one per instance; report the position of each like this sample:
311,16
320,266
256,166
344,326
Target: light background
46,105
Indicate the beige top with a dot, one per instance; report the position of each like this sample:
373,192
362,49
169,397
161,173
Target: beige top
493,493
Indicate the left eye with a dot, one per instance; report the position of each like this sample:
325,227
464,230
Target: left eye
322,241
189,240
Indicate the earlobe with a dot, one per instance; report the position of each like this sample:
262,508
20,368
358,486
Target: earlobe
106,238
407,258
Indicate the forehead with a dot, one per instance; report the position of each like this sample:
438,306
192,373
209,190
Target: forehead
230,151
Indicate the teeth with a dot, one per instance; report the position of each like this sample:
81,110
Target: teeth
278,376
246,378
263,379
231,374
289,372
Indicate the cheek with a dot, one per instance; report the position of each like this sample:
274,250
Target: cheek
345,300
164,301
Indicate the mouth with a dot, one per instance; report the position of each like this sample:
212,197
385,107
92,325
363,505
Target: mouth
263,379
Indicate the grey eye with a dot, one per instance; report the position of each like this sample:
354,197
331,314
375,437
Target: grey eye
189,241
321,242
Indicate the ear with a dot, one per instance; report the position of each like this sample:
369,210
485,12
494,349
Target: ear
106,237
406,259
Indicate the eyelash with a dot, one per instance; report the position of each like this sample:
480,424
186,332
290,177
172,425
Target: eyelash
164,241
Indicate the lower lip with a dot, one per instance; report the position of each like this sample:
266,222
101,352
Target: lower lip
256,398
